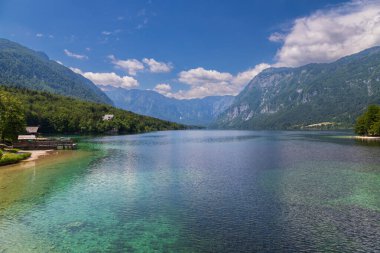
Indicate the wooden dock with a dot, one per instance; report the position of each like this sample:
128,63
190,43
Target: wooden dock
44,144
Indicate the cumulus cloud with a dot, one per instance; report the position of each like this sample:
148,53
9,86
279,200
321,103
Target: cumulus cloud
74,55
131,66
329,34
109,78
201,76
242,78
157,67
164,89
204,82
39,35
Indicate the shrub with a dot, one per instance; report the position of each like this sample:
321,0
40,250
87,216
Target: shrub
12,150
10,158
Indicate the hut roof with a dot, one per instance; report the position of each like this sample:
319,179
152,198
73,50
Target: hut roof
32,129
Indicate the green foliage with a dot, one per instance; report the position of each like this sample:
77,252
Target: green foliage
10,158
12,150
12,119
1,153
58,114
369,122
25,68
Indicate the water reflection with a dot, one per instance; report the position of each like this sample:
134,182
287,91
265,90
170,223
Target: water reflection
204,191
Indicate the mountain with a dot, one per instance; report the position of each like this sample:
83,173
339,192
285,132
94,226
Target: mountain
60,114
24,68
187,111
287,98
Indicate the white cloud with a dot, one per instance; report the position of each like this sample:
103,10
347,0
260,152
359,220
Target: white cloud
329,34
201,76
132,66
277,37
204,82
41,35
76,56
109,79
242,78
106,33
164,89
157,67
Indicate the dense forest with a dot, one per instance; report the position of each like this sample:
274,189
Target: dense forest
369,123
59,114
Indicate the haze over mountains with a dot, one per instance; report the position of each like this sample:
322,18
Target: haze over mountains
199,112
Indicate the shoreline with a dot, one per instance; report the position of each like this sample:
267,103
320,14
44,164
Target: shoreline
367,138
37,154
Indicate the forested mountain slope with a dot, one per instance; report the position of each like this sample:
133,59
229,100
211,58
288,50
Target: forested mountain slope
25,68
59,114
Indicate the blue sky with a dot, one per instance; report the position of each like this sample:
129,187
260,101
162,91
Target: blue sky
188,49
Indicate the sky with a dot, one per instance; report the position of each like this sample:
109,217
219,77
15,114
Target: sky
189,49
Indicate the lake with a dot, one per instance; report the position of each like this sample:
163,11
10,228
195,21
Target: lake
197,191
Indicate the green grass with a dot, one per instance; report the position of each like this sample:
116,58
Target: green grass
12,150
10,158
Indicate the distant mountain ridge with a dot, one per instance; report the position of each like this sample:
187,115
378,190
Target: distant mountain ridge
187,111
287,98
25,68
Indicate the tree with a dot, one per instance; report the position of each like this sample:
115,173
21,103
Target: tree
12,118
369,122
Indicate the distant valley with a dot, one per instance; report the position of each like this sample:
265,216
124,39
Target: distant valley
199,112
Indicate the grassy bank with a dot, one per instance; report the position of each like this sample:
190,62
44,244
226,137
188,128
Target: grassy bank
11,158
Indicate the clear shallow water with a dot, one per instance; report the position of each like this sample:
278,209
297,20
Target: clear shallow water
198,191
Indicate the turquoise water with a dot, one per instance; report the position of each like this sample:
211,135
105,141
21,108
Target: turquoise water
197,191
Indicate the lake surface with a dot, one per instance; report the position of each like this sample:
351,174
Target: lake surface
197,191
